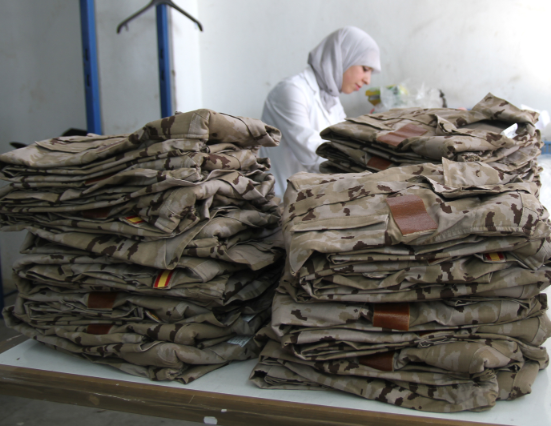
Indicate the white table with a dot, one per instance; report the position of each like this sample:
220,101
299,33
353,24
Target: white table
225,396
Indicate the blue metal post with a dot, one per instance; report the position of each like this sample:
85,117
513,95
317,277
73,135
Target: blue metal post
90,58
164,60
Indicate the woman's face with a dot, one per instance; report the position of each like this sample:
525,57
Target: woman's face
354,78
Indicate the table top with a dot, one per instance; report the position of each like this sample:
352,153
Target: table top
226,397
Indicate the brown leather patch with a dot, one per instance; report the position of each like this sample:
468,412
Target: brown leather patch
98,328
398,136
391,315
91,181
410,214
382,361
378,163
101,300
100,213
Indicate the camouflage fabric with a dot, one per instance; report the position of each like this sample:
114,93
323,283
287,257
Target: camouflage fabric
156,252
350,212
404,136
172,253
46,309
418,286
292,318
332,344
171,211
155,183
173,154
195,128
126,348
227,289
428,390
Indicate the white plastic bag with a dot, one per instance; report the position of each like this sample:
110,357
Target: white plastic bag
405,95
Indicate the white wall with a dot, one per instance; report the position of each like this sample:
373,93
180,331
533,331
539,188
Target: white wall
186,58
128,66
41,89
464,47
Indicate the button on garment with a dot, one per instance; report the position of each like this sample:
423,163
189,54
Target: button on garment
294,106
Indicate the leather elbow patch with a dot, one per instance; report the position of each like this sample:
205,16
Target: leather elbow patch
394,316
410,214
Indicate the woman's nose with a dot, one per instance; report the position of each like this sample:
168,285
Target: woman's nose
367,78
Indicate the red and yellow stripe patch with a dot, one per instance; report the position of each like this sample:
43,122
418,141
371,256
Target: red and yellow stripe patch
134,219
494,257
163,279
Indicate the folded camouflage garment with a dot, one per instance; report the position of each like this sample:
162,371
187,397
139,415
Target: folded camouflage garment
418,286
494,132
180,351
171,253
145,213
225,290
47,308
158,182
154,334
354,212
318,344
155,252
293,319
419,386
193,129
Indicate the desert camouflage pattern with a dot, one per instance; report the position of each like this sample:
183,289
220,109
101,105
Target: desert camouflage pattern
155,183
350,212
194,129
147,348
292,318
63,276
156,253
494,132
429,389
419,285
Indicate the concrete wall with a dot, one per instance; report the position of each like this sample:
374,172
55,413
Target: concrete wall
464,47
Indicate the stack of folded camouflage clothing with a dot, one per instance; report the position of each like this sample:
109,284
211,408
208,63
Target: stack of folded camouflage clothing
418,286
494,132
155,252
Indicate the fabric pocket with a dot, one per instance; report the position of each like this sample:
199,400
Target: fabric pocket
333,235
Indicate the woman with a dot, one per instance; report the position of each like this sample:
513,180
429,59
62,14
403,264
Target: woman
303,105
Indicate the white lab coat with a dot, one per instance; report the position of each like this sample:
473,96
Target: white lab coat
294,107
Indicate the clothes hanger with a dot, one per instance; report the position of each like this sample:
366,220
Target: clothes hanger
156,3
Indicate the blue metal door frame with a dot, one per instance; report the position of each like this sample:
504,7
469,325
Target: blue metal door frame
163,51
90,62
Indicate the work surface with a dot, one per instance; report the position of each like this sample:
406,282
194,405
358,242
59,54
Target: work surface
225,397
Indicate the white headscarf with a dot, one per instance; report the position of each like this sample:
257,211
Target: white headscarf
335,54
